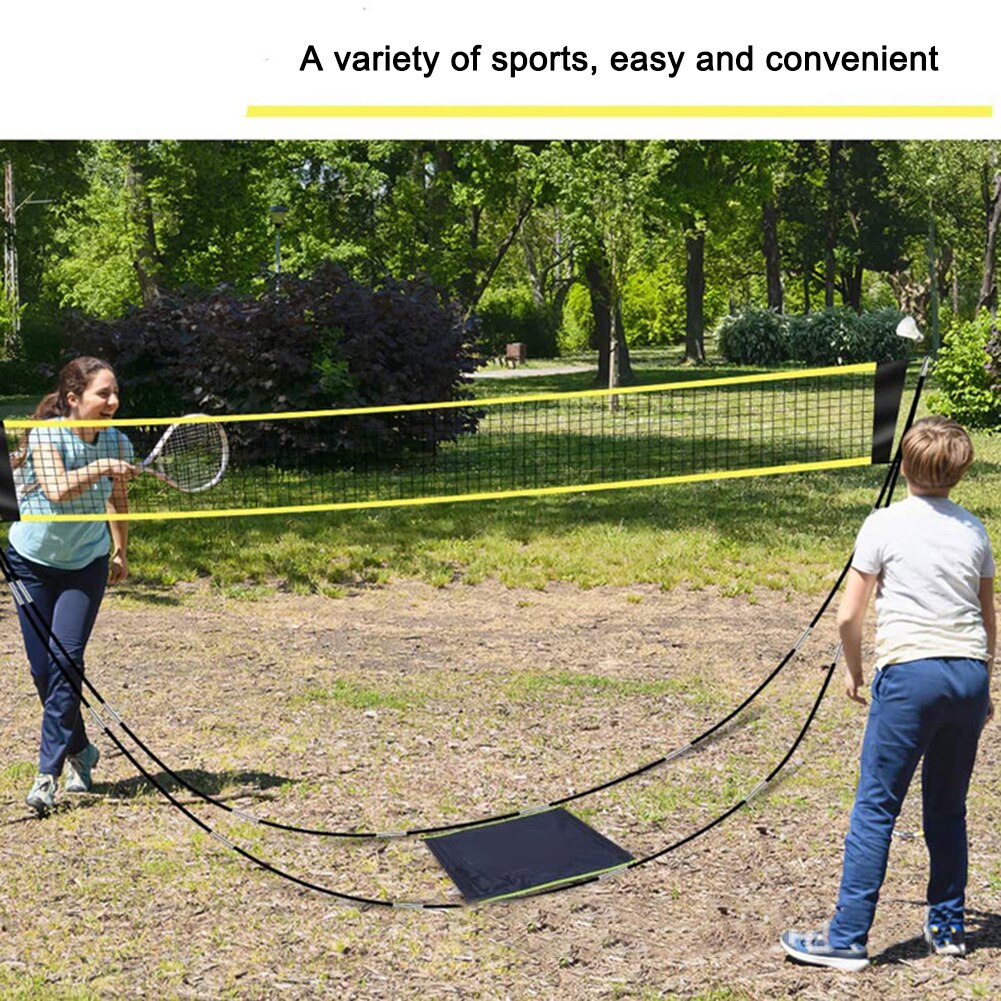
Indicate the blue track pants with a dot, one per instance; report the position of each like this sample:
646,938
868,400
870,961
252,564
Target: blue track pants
67,601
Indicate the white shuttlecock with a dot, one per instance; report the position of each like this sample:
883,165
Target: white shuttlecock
908,328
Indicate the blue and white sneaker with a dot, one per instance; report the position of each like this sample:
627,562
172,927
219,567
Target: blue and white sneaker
78,768
814,949
945,940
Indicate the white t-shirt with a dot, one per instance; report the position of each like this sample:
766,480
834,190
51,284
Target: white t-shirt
930,554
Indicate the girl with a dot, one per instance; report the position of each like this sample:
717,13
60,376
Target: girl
65,565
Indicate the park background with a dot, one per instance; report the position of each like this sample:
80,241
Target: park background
695,259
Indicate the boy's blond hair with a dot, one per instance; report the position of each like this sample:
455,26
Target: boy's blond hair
936,452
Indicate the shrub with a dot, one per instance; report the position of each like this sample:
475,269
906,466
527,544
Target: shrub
653,307
19,378
577,325
967,374
879,332
753,337
510,315
842,337
823,338
317,343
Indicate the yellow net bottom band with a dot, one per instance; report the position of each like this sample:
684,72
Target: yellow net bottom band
800,467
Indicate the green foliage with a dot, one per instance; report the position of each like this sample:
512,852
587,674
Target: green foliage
754,337
511,314
17,377
653,307
967,375
577,329
109,223
833,337
879,332
842,337
42,338
653,311
994,358
312,344
9,314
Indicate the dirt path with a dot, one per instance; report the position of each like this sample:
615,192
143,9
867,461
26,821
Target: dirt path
410,704
521,373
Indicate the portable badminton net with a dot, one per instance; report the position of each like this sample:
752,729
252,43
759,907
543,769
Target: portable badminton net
512,446
541,850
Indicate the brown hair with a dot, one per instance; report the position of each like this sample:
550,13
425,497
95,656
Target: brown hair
936,452
74,377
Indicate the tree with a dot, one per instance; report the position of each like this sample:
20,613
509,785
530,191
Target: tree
704,188
38,177
991,193
947,184
607,201
450,210
801,196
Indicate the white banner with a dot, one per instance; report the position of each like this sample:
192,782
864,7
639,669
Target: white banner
110,68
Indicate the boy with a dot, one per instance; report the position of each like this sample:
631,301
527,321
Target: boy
931,564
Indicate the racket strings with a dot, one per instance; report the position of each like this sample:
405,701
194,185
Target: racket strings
192,456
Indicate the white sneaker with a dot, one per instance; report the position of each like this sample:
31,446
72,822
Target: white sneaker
78,767
43,794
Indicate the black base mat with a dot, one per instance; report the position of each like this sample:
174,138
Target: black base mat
524,855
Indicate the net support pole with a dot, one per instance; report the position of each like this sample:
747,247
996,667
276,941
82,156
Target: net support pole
8,495
888,390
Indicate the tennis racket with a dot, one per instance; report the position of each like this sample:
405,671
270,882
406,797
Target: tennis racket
190,457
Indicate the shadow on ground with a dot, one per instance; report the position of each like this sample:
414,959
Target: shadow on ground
241,784
983,931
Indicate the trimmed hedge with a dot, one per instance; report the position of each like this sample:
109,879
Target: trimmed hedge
843,337
832,337
754,337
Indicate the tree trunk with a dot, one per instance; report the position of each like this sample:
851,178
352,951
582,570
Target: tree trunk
695,289
10,296
912,294
988,297
851,287
598,286
833,217
146,259
534,274
773,260
614,372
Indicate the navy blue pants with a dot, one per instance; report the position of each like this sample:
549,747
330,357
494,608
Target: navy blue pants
67,601
931,709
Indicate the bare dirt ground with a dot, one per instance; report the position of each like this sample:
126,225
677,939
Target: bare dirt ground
405,705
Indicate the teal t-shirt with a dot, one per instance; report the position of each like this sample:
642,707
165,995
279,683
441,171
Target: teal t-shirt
67,545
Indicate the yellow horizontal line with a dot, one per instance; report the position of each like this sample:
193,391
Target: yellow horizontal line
729,474
732,380
530,890
620,111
